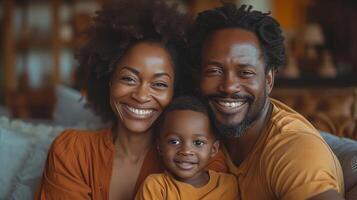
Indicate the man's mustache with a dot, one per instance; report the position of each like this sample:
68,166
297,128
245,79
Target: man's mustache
234,96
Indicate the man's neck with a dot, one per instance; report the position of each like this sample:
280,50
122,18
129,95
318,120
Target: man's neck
239,148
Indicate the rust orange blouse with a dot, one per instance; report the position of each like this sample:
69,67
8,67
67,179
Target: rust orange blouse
79,166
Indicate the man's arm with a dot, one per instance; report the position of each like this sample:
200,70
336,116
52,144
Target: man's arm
303,167
327,195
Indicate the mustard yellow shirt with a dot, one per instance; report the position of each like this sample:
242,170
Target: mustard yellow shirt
289,161
163,186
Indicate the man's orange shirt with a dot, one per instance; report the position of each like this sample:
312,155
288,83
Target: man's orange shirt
79,166
289,161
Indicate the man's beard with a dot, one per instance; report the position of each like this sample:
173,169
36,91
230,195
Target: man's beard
238,129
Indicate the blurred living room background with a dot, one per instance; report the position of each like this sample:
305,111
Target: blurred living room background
40,83
39,38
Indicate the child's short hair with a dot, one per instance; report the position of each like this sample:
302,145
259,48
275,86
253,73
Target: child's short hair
187,103
182,103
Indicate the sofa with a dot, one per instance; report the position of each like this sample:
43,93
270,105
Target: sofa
24,142
333,110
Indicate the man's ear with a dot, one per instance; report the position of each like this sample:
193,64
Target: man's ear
215,148
269,80
158,146
195,73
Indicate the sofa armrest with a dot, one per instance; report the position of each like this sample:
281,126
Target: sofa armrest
346,151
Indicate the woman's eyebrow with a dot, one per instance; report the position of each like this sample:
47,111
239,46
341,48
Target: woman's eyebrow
130,69
162,74
136,72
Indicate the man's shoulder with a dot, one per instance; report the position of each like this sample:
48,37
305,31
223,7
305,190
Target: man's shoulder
285,120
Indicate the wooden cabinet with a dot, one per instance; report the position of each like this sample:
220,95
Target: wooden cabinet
38,42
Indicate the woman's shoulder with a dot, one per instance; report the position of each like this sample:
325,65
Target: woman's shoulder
72,140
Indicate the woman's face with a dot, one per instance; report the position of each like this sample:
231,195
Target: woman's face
142,86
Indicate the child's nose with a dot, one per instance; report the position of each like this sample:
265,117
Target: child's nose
186,150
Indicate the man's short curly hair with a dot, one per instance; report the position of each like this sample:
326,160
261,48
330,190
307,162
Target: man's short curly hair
265,27
117,27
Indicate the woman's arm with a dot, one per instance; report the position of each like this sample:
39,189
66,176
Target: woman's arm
62,177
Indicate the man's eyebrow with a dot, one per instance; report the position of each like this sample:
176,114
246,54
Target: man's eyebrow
212,62
246,64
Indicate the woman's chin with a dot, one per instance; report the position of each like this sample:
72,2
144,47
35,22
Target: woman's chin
137,127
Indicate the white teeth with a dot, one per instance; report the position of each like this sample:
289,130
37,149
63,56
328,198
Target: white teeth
230,104
140,111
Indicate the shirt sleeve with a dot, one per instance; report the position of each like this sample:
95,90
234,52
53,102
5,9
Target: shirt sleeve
151,189
302,167
62,177
218,163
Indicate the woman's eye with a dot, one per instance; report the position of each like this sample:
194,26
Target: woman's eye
161,85
127,79
173,141
199,143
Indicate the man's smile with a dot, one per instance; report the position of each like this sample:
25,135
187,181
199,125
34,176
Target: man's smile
229,106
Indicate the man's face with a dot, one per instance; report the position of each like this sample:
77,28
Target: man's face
233,79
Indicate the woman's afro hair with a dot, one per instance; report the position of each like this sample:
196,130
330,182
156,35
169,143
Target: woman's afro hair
116,27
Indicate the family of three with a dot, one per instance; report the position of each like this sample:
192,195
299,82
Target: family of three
225,139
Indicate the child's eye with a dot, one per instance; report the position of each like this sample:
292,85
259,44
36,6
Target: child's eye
199,143
173,141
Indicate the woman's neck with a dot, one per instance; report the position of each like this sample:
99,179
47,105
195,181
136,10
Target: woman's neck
131,145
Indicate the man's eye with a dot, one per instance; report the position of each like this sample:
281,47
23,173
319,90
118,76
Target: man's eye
246,73
213,71
173,141
199,143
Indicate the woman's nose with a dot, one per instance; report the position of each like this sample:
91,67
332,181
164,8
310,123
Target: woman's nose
141,94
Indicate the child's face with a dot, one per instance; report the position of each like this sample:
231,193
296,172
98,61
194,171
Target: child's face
186,144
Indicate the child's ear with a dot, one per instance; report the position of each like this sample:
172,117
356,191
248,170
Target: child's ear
215,148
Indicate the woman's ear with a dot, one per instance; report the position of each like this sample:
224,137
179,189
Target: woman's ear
215,148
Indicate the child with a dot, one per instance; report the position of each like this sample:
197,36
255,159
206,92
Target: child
186,143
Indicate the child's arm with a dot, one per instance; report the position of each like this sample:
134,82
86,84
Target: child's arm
152,188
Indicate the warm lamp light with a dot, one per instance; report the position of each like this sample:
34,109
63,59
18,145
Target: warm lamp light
313,35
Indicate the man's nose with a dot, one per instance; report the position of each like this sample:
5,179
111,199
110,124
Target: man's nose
230,84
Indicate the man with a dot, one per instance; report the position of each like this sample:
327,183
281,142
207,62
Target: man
274,152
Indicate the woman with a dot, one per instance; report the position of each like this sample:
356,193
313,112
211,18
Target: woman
131,60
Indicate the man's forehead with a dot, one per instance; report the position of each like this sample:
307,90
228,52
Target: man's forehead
233,42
